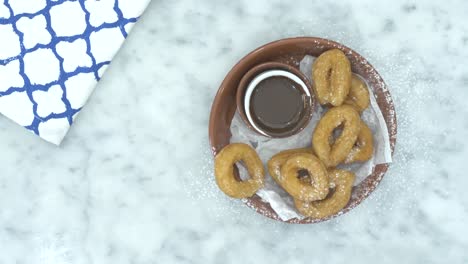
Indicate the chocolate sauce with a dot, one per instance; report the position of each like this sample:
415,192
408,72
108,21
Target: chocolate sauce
278,105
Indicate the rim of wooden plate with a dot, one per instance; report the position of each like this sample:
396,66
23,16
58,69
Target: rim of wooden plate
291,51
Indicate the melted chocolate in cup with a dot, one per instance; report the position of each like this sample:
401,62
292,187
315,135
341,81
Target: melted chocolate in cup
277,103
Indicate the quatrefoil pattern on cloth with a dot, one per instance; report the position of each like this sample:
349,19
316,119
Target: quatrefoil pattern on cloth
53,53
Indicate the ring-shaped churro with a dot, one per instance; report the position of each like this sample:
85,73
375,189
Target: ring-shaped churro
334,154
315,190
331,75
364,146
224,170
275,162
343,184
358,96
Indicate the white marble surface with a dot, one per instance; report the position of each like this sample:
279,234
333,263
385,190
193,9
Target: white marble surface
133,182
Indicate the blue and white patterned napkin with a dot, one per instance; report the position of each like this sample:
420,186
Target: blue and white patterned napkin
52,54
